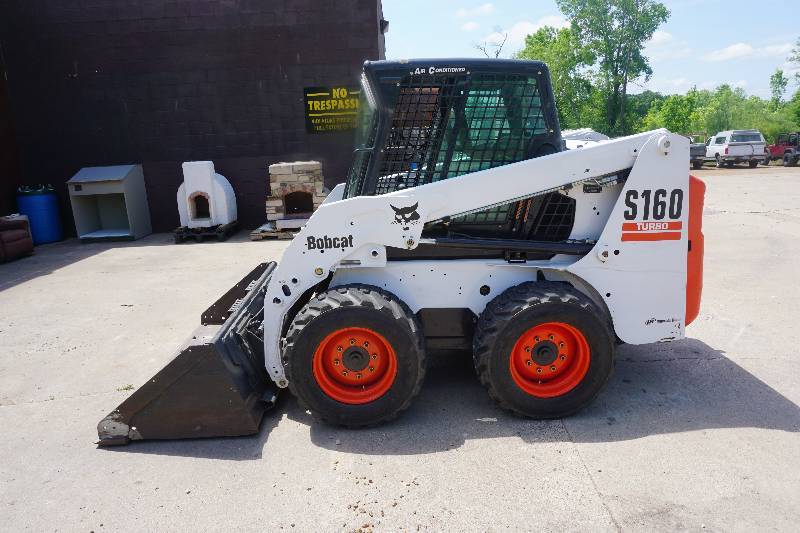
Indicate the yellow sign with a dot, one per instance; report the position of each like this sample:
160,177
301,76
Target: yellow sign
330,108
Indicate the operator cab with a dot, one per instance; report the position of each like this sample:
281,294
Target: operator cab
422,121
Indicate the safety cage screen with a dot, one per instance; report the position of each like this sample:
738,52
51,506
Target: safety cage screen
447,126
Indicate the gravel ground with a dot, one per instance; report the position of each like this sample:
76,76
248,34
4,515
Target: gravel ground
700,434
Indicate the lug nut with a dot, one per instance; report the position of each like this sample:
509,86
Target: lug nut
528,363
561,344
374,356
344,372
358,376
538,370
352,342
563,357
552,369
339,349
366,344
372,369
536,339
551,337
527,348
336,362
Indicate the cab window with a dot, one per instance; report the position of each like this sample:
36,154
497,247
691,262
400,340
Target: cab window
719,140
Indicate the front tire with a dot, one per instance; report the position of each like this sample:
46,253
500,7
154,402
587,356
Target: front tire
543,350
354,356
697,165
753,163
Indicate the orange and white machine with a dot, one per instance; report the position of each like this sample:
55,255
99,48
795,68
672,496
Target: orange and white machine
464,224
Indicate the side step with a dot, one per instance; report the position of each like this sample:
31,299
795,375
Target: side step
216,386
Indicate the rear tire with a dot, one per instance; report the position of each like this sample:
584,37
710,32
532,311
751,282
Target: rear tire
543,350
753,163
354,356
697,165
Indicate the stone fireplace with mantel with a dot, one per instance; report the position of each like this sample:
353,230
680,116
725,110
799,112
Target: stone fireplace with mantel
296,190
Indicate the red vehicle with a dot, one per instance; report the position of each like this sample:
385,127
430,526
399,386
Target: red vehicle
786,148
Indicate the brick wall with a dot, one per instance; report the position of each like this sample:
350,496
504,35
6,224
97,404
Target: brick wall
98,82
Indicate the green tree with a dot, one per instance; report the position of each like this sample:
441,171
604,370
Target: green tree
777,84
794,107
567,61
616,31
794,58
639,106
676,113
725,108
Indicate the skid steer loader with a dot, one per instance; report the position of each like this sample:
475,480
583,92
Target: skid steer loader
463,224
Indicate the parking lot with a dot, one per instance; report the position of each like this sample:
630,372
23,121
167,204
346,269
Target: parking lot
700,434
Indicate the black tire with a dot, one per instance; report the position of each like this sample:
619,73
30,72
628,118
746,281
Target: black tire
753,163
697,165
355,306
513,313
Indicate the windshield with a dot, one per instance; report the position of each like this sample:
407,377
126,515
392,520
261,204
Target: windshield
746,138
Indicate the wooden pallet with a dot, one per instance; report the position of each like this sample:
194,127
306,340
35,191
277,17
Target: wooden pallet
269,231
220,232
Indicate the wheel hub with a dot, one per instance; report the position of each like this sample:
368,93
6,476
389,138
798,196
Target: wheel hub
544,353
355,358
550,359
354,365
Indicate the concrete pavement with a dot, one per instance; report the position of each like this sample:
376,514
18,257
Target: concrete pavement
701,434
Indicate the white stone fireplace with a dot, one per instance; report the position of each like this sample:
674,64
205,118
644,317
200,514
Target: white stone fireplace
205,198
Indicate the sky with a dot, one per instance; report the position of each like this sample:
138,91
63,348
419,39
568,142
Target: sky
704,43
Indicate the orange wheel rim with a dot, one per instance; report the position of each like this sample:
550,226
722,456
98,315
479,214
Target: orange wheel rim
354,365
550,359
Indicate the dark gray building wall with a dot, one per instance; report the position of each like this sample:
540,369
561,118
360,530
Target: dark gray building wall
9,170
101,82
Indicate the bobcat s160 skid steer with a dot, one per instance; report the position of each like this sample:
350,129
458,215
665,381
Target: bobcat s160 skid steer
463,224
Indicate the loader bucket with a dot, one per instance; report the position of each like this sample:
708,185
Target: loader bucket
216,386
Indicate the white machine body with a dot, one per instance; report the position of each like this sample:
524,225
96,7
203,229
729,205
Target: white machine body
205,198
636,270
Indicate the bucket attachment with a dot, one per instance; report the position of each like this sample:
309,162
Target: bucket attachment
216,386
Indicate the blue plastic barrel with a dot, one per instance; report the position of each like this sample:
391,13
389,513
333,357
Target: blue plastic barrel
40,203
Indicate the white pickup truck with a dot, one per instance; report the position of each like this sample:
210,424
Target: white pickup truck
736,146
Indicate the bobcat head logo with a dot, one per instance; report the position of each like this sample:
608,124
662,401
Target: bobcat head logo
405,215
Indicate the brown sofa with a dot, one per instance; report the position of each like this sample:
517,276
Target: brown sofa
15,239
